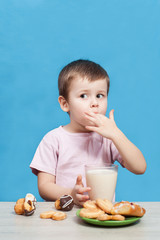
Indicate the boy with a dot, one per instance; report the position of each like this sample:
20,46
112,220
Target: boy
89,138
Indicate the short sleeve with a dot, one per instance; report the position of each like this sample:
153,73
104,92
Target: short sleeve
45,158
115,154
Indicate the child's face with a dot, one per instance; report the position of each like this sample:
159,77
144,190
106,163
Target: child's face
85,96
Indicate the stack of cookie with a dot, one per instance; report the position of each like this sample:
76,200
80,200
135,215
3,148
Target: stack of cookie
26,206
103,210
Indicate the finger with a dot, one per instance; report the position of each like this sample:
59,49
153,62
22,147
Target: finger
82,190
91,114
80,203
95,118
82,198
79,180
92,119
111,114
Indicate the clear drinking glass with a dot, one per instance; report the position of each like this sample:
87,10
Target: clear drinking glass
102,180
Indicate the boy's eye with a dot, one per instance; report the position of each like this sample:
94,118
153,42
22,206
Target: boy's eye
83,96
100,95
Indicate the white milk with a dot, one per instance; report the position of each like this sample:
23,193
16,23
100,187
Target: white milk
102,183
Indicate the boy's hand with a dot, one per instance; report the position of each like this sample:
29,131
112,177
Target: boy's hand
78,191
102,125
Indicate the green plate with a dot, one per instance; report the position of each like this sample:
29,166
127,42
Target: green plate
127,221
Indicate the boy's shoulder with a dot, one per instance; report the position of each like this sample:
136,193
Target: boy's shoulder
53,133
52,136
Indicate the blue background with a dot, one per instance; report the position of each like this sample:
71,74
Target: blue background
38,38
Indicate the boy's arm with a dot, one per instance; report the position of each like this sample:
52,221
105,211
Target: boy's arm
132,157
50,191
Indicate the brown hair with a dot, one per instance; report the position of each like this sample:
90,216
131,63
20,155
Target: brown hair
83,68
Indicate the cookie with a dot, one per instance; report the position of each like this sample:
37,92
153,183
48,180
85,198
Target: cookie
105,205
31,200
65,203
57,204
90,213
28,210
53,215
106,217
90,204
59,216
20,201
47,214
19,208
29,204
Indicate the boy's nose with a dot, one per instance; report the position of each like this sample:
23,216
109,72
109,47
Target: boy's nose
94,103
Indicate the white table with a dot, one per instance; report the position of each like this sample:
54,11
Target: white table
14,226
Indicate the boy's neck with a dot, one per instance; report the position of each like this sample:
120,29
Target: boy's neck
75,129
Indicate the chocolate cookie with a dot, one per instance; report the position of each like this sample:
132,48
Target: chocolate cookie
25,206
29,205
65,203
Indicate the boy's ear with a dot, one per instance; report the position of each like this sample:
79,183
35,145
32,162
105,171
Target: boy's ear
63,103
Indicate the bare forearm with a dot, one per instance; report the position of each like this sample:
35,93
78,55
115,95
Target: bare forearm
51,192
132,157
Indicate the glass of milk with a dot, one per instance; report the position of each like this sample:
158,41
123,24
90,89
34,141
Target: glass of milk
102,180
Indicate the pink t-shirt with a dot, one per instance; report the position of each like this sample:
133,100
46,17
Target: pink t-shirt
65,154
